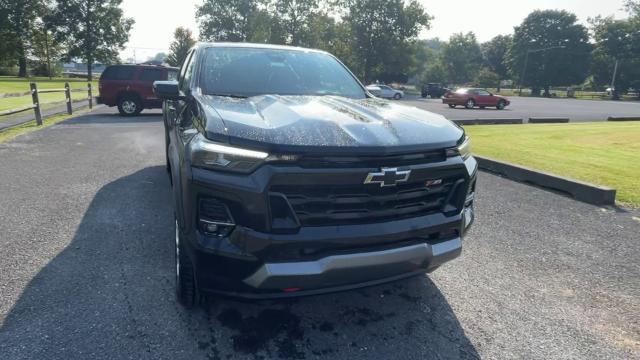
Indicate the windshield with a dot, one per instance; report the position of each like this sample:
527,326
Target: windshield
252,71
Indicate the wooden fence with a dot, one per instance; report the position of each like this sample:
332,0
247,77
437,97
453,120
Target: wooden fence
35,99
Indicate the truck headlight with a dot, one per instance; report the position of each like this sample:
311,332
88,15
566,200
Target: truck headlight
463,149
211,155
216,156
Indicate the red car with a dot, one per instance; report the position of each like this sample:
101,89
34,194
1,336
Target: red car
130,87
471,98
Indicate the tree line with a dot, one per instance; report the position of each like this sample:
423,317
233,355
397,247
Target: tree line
377,39
549,48
373,37
44,31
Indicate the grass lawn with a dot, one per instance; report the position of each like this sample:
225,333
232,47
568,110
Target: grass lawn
10,84
603,153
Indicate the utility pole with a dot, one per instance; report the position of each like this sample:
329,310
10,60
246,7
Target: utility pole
524,72
614,92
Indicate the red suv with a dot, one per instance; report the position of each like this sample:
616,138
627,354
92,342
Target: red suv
471,98
130,87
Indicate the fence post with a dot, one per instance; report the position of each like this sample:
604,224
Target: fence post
67,94
36,103
90,95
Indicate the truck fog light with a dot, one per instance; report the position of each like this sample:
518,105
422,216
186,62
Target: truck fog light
214,218
215,228
211,228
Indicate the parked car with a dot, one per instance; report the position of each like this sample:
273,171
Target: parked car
435,91
470,98
130,87
385,91
290,179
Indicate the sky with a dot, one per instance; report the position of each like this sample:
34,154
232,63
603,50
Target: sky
157,19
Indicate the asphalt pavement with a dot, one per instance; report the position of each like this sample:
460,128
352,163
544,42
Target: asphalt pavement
86,271
526,107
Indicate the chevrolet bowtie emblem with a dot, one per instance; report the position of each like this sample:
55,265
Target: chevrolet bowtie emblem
388,177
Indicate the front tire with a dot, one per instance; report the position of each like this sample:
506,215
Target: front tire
470,104
129,106
501,105
397,96
186,289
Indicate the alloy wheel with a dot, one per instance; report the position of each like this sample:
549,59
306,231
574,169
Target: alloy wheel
129,106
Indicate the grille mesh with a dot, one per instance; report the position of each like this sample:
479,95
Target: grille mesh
323,205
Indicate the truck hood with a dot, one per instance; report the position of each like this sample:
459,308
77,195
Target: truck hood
302,124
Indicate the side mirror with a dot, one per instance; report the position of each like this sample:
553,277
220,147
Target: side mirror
167,90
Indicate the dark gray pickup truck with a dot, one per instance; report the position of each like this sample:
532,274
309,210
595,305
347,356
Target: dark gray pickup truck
290,179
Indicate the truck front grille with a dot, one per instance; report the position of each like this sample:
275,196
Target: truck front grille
326,205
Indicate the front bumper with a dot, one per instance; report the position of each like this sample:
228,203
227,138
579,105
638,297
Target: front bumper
256,261
337,270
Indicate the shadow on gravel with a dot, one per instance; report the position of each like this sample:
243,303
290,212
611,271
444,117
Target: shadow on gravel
109,294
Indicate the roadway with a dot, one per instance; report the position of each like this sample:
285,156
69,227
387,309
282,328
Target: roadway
526,107
87,261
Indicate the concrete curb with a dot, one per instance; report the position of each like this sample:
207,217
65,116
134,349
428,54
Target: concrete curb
488,121
548,120
581,191
623,118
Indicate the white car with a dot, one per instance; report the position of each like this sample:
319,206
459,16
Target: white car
385,91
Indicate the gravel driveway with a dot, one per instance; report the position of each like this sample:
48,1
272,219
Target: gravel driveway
86,271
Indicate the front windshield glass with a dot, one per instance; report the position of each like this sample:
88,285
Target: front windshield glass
247,72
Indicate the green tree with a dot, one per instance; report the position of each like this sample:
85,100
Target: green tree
462,58
7,53
19,18
266,29
323,32
229,20
161,56
435,72
295,17
487,78
422,57
633,7
494,54
555,48
44,50
95,30
617,42
183,41
383,32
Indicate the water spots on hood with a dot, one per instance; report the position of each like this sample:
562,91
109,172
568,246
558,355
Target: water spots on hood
325,121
